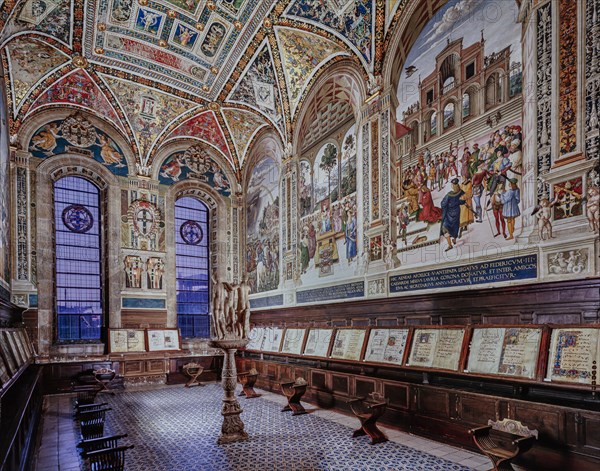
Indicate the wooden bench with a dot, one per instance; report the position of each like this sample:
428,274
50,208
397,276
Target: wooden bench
502,441
108,459
88,407
193,370
368,411
293,391
101,443
92,423
85,394
248,380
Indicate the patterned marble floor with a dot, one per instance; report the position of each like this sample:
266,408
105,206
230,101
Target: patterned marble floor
175,429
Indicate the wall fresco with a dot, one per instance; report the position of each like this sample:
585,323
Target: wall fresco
194,162
75,134
262,230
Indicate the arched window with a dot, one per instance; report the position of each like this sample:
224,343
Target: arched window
449,115
466,105
78,262
192,267
433,124
493,90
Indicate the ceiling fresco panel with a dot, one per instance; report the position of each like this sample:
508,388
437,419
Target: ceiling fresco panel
205,127
351,20
79,89
258,88
29,61
50,17
243,126
149,112
302,54
181,43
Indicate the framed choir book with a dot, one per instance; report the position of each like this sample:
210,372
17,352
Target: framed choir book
436,348
293,340
573,354
272,339
126,340
6,353
256,337
163,340
317,342
348,344
386,346
507,351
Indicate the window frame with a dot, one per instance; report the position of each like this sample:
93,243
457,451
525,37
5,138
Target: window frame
102,248
178,221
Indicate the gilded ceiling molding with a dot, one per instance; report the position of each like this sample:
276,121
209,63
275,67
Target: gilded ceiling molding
242,127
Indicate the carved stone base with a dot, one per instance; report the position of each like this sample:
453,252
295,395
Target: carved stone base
233,427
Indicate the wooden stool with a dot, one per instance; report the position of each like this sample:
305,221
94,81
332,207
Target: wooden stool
104,377
294,390
502,441
368,411
248,379
193,370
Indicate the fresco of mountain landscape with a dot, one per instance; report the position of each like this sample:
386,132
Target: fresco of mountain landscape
262,231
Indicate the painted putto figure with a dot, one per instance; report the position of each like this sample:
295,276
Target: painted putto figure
544,214
593,208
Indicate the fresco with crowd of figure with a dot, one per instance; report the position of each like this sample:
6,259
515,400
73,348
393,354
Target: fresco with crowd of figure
460,104
328,222
262,229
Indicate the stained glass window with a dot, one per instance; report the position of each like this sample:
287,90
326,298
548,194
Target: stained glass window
192,267
77,226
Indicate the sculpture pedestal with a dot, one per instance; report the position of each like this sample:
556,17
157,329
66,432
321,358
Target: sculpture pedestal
233,427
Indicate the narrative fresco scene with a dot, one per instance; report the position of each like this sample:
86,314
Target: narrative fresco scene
389,210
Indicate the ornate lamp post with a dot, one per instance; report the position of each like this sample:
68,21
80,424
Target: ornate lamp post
230,324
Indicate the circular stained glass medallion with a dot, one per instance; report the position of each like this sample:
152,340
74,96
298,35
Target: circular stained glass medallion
77,218
191,232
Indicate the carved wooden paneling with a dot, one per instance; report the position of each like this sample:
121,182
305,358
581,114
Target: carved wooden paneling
567,302
364,387
318,380
155,366
477,409
548,423
433,402
340,384
131,368
134,318
397,394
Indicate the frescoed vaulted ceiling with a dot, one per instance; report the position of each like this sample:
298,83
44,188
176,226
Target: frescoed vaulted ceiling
219,71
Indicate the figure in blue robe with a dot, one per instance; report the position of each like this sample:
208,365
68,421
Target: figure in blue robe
351,238
451,213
